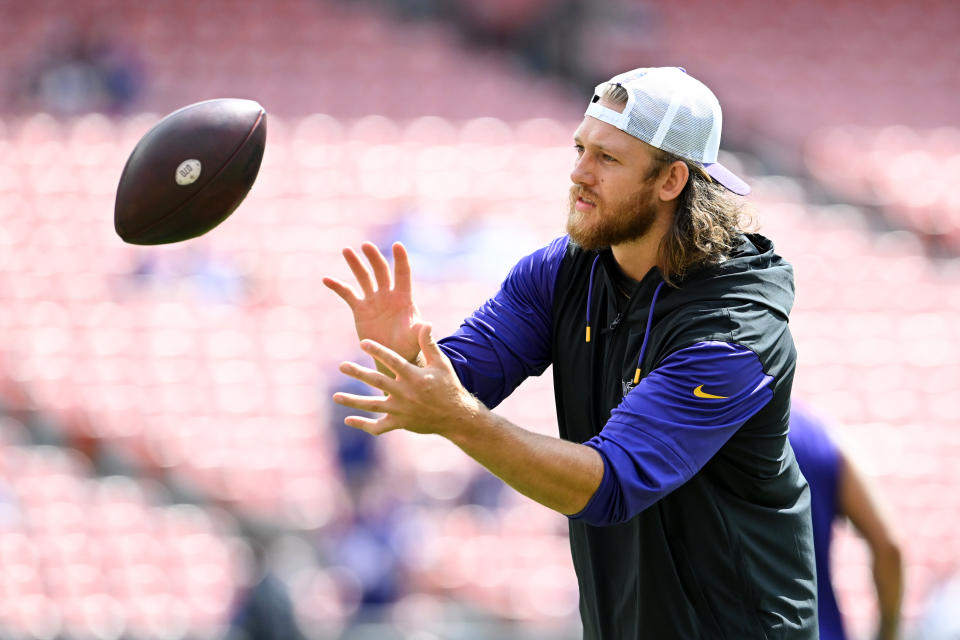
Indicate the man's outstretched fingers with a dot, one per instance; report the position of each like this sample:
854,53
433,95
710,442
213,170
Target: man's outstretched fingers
370,425
381,269
401,269
343,290
389,358
360,271
369,376
373,404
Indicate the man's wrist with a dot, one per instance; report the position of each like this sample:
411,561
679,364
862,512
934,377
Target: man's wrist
467,421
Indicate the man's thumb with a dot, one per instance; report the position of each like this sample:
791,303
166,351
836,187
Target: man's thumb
428,346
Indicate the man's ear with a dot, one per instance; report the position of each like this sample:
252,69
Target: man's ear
673,180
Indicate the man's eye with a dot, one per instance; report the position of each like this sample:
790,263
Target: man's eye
578,148
608,158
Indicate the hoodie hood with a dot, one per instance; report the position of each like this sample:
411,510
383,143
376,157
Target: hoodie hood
734,301
743,300
753,273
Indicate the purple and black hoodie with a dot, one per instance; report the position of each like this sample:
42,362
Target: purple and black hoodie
701,525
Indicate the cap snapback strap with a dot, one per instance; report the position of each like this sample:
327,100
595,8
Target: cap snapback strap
608,115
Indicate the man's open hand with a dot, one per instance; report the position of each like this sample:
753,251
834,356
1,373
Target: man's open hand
384,310
423,399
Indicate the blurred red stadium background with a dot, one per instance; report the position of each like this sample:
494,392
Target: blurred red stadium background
166,434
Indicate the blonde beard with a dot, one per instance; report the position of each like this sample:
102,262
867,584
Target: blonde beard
624,222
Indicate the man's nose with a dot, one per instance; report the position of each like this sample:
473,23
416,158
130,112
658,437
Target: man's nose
582,171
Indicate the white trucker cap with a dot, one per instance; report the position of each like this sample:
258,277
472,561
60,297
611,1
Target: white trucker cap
670,110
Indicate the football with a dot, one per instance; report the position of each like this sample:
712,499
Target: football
190,171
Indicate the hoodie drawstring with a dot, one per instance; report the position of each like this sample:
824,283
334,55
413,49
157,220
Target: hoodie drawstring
593,268
646,332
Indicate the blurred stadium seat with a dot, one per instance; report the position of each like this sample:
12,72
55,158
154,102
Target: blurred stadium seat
105,557
905,172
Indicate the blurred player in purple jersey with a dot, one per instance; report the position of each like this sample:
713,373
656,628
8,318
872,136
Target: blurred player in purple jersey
839,490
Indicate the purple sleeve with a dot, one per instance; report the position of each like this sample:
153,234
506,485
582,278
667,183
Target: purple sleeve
670,425
508,338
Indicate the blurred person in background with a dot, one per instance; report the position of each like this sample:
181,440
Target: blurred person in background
85,68
264,611
666,325
196,271
839,490
452,246
358,457
368,540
